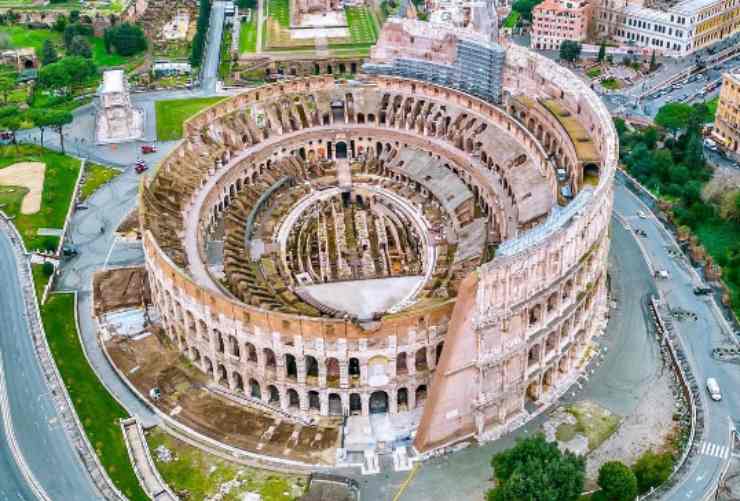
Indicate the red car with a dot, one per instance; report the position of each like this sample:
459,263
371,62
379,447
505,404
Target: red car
145,149
140,167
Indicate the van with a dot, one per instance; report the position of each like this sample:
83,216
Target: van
713,389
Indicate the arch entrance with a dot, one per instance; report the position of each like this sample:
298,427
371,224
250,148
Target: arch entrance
379,402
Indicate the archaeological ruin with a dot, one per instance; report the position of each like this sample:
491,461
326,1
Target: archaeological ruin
428,263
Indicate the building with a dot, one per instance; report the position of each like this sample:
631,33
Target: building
554,21
404,180
459,58
674,30
727,120
20,59
117,120
475,15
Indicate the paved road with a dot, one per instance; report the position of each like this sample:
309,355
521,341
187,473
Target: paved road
45,446
698,336
213,48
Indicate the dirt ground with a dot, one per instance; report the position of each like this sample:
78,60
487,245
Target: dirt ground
120,288
649,427
29,175
153,362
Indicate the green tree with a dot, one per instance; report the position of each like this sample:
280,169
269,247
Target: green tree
11,119
60,23
49,53
127,39
524,7
74,16
673,116
80,47
570,50
41,118
617,482
652,469
602,52
653,63
57,120
8,80
694,155
196,53
650,137
74,30
48,268
66,73
536,470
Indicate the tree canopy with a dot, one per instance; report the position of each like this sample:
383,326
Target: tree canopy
524,7
66,73
617,482
49,53
652,469
570,50
536,470
127,39
673,116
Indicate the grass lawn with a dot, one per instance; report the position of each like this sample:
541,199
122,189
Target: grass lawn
11,198
362,27
248,35
59,181
718,236
39,279
611,83
172,113
95,177
593,72
280,11
101,57
202,474
20,36
512,19
97,410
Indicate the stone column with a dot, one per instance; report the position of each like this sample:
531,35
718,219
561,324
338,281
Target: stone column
301,369
343,374
303,399
322,373
324,403
363,372
365,404
392,401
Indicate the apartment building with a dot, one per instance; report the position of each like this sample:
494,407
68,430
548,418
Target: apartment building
727,120
554,21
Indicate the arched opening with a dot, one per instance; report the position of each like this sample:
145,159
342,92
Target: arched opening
251,353
421,360
335,405
274,395
354,368
401,365
378,402
341,150
332,372
291,368
254,389
355,403
312,367
293,400
219,341
438,352
533,356
591,174
222,375
208,366
234,346
270,361
314,403
238,381
402,398
421,395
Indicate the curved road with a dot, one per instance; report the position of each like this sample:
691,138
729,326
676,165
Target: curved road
45,446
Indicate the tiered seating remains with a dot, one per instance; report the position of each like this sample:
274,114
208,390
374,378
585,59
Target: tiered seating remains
259,282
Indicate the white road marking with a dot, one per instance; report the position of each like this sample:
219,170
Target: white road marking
715,450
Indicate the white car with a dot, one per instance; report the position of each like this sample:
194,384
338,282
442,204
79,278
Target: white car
713,389
641,214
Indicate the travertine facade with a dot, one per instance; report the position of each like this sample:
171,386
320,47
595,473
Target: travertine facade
511,330
727,120
117,120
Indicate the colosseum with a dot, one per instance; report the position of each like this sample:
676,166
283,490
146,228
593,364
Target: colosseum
389,249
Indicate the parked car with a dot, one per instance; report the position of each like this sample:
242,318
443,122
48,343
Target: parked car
713,389
702,291
140,166
147,148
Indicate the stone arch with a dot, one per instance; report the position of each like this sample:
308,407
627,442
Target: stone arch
333,372
222,375
533,356
294,401
420,360
402,364
237,381
234,346
273,395
354,367
312,366
254,389
341,150
438,352
314,402
291,367
379,402
208,366
355,403
402,399
335,404
420,395
270,361
251,352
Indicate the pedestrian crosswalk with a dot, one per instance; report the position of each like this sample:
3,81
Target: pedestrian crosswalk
716,450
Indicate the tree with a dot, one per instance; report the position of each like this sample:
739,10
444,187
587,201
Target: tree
48,268
74,30
57,120
80,47
673,116
49,53
66,72
653,63
536,470
652,469
570,50
11,118
126,38
694,156
41,118
602,52
7,84
524,7
650,137
74,16
617,482
204,13
60,23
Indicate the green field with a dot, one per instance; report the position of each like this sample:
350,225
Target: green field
172,113
248,35
200,474
279,10
362,27
95,177
39,280
20,36
98,411
59,181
